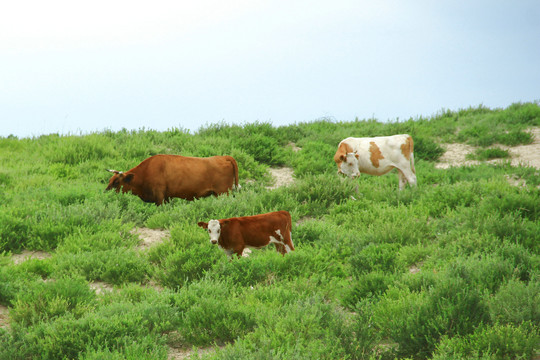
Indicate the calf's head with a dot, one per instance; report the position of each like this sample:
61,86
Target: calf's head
349,165
119,180
214,229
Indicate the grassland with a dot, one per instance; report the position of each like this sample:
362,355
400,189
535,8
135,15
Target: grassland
450,269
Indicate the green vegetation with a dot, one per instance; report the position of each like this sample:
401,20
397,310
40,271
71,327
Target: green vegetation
488,154
450,269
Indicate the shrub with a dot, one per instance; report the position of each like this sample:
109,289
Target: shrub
263,149
426,149
187,265
316,157
516,303
375,257
144,348
306,329
367,286
416,321
514,138
488,154
115,266
110,328
73,150
48,300
14,280
483,271
315,195
211,311
496,342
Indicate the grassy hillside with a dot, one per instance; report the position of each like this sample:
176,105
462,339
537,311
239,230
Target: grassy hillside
450,269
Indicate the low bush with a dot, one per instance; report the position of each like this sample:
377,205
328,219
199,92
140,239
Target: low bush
375,257
488,154
367,286
116,266
48,300
416,321
315,158
492,342
426,149
211,311
306,329
110,328
516,302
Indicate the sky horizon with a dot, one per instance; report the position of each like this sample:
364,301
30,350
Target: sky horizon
71,68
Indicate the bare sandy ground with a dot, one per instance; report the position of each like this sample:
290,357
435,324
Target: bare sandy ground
150,237
282,177
27,255
527,155
4,317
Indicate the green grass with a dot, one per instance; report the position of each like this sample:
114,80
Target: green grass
488,154
450,269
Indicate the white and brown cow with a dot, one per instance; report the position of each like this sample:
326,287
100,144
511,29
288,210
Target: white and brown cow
233,235
377,156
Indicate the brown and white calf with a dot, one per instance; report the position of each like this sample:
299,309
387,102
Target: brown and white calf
377,156
233,235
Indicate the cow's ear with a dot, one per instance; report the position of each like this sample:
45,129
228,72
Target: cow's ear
128,178
203,224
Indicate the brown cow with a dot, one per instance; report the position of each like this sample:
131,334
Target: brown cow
162,177
236,234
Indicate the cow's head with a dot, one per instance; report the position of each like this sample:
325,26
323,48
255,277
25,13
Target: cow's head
119,180
214,230
349,165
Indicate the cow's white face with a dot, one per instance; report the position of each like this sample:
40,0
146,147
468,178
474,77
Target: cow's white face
349,166
214,230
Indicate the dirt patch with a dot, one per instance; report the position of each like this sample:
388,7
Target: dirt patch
178,352
527,155
4,317
294,147
150,237
27,255
282,177
304,220
101,287
181,354
415,269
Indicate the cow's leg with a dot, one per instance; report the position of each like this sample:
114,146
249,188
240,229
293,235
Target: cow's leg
288,241
158,197
402,179
284,244
406,176
280,248
239,251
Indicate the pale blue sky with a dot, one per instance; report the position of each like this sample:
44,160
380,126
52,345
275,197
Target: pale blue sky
72,67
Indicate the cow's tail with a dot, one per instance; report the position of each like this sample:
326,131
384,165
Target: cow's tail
289,229
235,172
411,149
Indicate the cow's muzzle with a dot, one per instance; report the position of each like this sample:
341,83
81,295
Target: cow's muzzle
213,242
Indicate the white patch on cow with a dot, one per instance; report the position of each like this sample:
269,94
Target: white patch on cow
279,234
246,252
214,230
350,166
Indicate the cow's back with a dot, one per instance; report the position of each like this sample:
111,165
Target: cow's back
185,177
255,230
380,154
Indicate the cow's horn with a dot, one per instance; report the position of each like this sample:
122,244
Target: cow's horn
114,171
